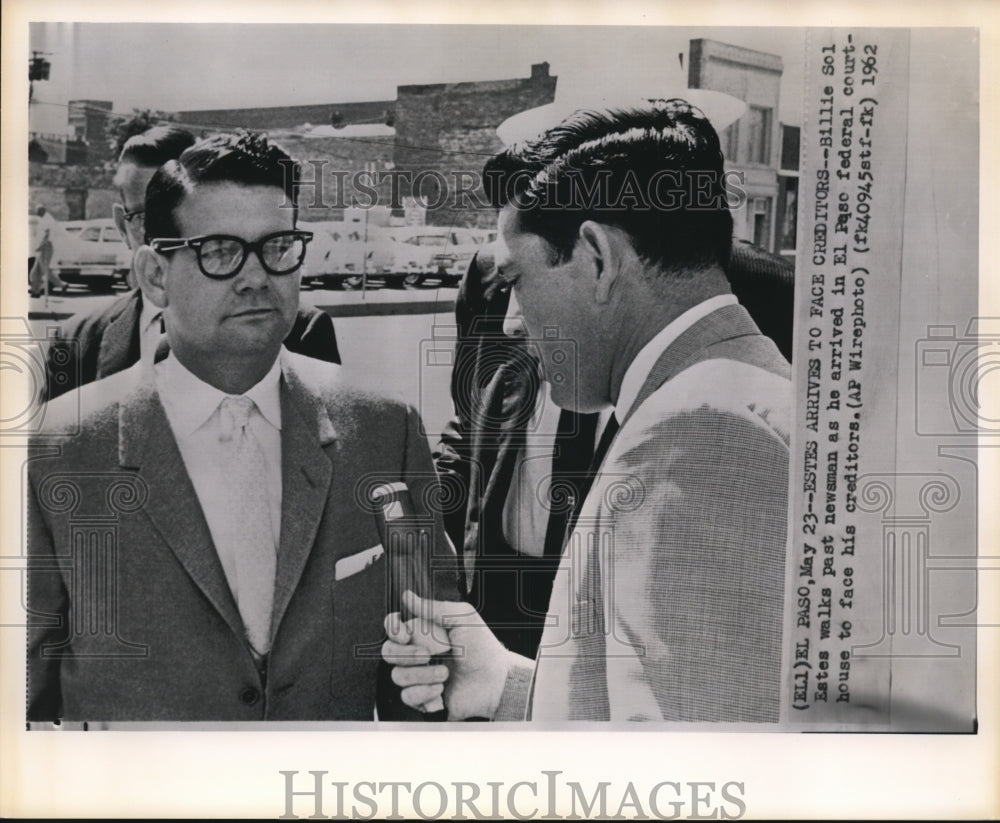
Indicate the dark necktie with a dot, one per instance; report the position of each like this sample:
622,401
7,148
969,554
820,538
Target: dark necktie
610,430
570,458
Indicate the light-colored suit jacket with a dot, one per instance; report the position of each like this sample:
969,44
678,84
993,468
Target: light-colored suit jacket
668,601
130,614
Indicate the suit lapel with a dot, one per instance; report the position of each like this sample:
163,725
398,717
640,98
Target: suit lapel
692,345
306,475
120,341
146,443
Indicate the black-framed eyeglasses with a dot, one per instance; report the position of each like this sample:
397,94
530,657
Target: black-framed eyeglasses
221,256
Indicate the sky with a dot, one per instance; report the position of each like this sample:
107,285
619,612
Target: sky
173,67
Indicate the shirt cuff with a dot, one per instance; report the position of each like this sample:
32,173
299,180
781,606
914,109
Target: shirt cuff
516,690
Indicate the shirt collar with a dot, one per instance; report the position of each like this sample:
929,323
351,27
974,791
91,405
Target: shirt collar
642,365
147,314
200,399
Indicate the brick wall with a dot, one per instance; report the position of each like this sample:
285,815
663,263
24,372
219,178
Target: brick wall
450,128
339,159
446,129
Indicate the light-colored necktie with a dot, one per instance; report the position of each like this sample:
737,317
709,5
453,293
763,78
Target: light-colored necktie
249,539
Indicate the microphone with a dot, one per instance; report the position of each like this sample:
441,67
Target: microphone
407,540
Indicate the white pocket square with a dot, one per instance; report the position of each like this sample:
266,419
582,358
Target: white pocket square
352,564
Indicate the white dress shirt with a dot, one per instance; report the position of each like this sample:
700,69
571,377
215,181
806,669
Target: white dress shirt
150,317
192,408
640,368
525,512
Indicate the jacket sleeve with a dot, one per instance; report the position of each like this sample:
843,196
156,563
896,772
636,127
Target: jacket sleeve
47,614
452,458
697,584
479,311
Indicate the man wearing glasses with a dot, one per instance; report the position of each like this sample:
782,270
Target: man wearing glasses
246,579
97,344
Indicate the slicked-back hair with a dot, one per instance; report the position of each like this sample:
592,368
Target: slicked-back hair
244,158
656,173
155,146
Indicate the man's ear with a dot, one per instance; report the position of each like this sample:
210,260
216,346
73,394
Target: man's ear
151,272
599,243
118,213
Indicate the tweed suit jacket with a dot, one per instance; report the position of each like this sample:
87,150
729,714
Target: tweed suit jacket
130,614
668,602
90,346
494,387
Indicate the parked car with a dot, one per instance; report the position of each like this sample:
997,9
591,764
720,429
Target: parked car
341,254
91,253
445,252
397,264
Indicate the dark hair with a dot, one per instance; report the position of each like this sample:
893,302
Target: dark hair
245,158
656,173
155,146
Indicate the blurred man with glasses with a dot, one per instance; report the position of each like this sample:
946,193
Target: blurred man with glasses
92,345
247,577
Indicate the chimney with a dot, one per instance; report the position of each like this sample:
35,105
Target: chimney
539,71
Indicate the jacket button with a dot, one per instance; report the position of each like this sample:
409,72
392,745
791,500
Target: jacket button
249,696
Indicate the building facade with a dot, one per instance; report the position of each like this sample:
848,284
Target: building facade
757,145
427,147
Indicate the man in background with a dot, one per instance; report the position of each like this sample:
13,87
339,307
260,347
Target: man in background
247,579
97,344
45,227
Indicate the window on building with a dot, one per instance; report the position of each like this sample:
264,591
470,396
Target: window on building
731,142
789,148
760,226
758,121
788,204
